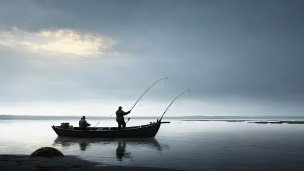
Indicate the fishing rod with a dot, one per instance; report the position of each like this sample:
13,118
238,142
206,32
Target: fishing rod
143,95
112,114
94,126
172,102
146,92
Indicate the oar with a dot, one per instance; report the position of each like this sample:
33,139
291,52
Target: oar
172,102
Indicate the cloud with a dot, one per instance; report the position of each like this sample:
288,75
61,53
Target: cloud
61,41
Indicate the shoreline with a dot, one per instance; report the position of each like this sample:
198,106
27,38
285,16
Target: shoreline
73,163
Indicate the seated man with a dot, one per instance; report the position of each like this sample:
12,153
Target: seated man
83,124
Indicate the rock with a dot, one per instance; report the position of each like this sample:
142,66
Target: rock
46,152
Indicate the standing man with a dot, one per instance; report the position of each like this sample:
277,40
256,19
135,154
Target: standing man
120,118
83,124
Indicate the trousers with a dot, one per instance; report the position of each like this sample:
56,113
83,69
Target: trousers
121,122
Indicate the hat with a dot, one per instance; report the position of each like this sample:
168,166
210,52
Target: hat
83,117
119,107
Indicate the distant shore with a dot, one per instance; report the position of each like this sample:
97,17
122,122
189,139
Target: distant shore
72,163
270,121
54,117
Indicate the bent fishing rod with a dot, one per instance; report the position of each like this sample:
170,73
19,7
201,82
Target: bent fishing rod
172,103
143,95
146,92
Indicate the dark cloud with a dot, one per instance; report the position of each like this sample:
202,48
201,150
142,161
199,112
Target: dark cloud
220,50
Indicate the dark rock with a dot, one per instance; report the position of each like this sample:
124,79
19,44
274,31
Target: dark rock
46,152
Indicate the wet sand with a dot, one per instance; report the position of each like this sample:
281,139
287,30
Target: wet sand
65,163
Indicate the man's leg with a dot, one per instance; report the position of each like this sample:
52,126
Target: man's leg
119,125
123,124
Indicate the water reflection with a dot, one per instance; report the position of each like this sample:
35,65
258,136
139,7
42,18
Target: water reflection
121,151
67,142
83,145
123,145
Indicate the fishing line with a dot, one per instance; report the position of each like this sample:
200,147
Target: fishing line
165,83
181,100
172,103
178,104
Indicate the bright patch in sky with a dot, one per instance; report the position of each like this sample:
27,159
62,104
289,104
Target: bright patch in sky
62,41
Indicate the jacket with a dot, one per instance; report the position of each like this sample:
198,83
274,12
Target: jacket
83,123
121,113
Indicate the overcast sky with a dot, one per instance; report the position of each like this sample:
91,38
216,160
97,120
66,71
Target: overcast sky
77,57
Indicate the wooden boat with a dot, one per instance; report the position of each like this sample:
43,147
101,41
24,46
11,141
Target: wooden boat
149,130
142,131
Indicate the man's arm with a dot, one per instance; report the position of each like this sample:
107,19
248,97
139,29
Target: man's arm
125,113
86,123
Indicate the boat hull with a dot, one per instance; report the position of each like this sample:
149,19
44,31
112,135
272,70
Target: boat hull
149,130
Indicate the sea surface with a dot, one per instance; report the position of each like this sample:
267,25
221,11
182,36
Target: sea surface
181,145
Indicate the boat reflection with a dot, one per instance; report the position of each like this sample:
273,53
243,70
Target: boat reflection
121,152
67,142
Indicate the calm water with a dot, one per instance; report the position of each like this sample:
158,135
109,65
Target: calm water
187,145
